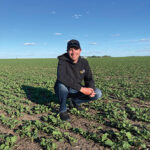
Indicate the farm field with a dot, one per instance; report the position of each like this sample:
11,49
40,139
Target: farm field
29,118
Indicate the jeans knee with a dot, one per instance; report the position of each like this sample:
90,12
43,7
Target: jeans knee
98,93
60,88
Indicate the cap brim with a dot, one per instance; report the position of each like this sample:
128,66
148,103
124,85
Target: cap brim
74,45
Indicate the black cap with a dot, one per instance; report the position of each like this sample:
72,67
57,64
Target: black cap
73,43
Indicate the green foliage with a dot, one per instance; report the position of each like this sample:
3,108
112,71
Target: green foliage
48,144
121,117
7,141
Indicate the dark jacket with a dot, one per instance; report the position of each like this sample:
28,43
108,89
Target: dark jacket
72,74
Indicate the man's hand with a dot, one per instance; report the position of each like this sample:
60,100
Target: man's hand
93,94
87,91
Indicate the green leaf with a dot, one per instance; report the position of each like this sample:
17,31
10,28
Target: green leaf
143,145
13,139
99,127
126,145
104,137
109,143
6,148
129,135
2,146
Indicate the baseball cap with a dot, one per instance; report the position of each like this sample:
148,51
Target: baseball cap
73,43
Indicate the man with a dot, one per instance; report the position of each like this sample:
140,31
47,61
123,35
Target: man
71,71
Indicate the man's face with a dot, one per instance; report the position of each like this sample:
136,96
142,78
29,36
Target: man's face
74,54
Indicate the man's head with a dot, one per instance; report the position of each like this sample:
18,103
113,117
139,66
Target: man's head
73,50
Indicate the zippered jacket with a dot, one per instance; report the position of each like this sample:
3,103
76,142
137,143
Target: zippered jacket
73,74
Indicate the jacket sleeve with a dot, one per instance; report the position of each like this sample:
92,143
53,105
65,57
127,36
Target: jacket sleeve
63,77
88,78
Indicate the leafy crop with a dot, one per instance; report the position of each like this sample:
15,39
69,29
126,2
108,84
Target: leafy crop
119,120
7,141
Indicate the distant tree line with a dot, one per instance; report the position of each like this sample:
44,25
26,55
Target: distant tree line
97,56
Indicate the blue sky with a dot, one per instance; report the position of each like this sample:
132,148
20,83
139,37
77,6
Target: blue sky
41,28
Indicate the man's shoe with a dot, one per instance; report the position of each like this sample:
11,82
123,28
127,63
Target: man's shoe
64,116
78,107
72,104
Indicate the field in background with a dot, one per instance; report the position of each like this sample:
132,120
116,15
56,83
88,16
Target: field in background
29,109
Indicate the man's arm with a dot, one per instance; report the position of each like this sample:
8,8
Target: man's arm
88,79
89,82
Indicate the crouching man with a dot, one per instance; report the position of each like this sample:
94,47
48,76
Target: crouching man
71,71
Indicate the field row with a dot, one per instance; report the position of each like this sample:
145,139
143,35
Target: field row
29,109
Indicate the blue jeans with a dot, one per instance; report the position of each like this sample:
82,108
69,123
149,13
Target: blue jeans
63,92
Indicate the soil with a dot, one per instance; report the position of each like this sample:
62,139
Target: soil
76,122
25,144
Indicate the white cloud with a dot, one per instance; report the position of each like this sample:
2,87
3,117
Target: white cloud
144,40
144,51
138,40
116,35
76,16
141,40
53,12
87,12
57,33
92,43
45,43
29,44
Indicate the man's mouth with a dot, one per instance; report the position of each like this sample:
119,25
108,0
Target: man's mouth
73,55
